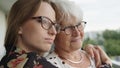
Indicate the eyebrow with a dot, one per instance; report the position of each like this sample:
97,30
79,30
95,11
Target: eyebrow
54,21
72,25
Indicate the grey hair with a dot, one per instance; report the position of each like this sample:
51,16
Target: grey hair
69,8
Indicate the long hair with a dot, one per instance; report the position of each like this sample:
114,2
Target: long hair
20,12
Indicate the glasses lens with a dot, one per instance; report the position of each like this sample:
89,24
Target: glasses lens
46,23
68,30
57,27
81,26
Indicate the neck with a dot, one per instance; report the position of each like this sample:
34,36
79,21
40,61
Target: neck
73,55
22,46
27,48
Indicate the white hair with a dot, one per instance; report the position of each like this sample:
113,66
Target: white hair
69,8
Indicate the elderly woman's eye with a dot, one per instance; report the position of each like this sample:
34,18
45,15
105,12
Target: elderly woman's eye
44,21
78,24
39,20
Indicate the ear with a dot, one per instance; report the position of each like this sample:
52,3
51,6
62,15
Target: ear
20,30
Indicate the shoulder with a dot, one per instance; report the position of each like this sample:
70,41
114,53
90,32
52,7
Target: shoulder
4,61
55,60
52,57
92,61
26,60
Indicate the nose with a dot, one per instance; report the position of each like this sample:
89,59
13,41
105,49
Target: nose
52,30
75,32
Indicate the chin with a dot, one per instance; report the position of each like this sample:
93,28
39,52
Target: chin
76,45
47,48
43,50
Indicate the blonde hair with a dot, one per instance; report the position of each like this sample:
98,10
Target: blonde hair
66,9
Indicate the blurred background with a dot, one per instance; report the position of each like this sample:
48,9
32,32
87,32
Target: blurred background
103,25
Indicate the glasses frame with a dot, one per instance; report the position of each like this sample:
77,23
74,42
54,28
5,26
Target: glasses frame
40,20
73,27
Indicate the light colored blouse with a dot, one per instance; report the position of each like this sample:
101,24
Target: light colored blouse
55,60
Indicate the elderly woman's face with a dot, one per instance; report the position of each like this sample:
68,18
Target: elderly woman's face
71,35
37,32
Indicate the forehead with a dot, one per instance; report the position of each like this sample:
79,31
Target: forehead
69,21
46,10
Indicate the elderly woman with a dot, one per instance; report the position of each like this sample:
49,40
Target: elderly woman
31,31
68,42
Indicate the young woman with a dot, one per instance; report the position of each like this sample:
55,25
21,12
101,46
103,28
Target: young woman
31,30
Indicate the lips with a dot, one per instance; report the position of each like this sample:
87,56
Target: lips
75,40
49,40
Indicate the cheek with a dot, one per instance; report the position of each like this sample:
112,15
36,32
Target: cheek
34,38
63,39
33,32
82,34
33,28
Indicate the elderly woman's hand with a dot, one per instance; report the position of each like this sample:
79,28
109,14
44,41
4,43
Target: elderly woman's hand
99,55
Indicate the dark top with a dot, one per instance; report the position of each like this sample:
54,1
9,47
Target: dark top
21,59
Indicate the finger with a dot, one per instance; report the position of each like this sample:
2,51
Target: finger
89,50
108,62
97,57
102,52
103,55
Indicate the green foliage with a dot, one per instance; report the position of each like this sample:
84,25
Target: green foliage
111,34
88,40
112,47
99,40
110,40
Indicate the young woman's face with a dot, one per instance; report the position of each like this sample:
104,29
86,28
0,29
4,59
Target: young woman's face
34,35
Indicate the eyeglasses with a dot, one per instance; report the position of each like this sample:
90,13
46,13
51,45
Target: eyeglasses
46,23
69,29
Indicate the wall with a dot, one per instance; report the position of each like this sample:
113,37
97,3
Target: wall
2,32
